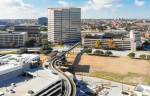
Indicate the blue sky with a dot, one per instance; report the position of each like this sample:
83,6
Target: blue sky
90,8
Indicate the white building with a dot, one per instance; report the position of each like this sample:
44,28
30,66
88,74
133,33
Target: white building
122,44
13,39
131,42
64,25
135,39
12,65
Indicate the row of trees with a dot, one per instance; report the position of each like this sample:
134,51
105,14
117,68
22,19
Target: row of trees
45,49
30,43
145,57
98,52
142,56
110,43
101,53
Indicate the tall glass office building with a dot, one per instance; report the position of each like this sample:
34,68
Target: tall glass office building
64,25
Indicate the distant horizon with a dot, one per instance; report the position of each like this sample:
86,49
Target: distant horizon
81,18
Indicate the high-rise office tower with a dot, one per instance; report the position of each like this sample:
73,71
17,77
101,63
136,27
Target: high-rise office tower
64,25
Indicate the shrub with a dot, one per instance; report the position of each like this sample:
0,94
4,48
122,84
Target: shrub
22,51
87,50
46,49
98,52
143,56
131,55
108,53
46,52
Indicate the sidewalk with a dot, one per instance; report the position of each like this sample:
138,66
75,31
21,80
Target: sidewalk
112,88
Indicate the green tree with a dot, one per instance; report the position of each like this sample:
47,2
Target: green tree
45,49
131,55
101,28
87,50
30,43
43,29
98,44
22,51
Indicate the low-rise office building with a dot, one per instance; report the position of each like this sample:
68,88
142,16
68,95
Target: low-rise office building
33,31
13,39
121,44
124,43
12,65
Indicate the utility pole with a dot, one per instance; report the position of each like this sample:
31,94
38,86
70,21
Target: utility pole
122,87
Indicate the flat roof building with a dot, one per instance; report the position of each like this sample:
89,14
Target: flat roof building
35,82
33,31
121,42
64,25
18,79
13,39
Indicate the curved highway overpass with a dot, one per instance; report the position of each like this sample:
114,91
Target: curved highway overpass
70,86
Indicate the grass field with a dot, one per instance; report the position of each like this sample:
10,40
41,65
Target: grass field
58,46
130,78
7,52
120,69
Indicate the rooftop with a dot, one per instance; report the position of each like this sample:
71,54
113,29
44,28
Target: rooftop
12,62
27,25
42,78
64,8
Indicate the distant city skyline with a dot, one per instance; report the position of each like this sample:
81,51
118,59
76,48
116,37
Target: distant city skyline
91,9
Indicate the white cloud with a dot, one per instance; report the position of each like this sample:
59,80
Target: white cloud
100,4
139,2
16,9
63,3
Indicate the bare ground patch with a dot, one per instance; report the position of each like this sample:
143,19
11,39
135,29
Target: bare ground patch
131,71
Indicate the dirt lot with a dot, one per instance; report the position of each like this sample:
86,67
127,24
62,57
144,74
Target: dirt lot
132,70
